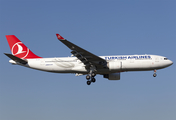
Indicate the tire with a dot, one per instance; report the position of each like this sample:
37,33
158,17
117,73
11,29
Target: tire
154,75
88,82
93,80
93,74
88,77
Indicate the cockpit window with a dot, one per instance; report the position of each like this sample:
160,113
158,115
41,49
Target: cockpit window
165,58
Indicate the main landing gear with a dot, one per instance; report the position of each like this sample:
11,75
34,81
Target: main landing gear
154,74
90,77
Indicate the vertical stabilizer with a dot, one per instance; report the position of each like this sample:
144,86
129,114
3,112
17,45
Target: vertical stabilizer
18,49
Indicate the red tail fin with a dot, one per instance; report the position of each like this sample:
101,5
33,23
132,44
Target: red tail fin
19,49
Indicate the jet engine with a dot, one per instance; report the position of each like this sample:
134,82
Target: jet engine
112,76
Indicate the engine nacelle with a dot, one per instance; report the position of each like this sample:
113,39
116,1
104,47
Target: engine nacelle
114,65
112,76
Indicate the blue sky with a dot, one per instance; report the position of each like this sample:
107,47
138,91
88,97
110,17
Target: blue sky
103,28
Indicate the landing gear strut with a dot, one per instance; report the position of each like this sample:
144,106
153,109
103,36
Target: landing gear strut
154,74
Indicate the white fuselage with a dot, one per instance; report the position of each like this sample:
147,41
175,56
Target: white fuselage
115,64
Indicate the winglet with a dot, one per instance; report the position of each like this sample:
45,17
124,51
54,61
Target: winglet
59,37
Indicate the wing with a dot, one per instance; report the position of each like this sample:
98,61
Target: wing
83,55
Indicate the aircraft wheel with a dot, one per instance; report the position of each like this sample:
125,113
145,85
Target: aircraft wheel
88,77
93,74
88,82
93,79
154,75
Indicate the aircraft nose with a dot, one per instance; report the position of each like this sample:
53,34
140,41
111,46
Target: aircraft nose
170,62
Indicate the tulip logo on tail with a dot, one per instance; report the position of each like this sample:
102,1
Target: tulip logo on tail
20,50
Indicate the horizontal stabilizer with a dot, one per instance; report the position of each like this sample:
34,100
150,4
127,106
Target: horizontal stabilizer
16,59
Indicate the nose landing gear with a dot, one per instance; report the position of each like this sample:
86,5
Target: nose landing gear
154,74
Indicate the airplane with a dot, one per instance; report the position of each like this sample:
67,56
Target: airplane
83,62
